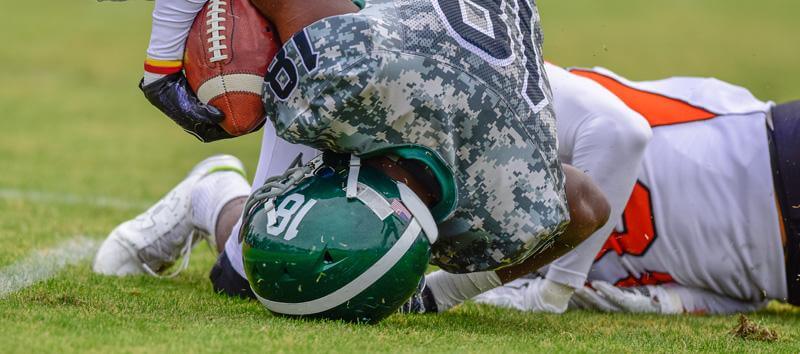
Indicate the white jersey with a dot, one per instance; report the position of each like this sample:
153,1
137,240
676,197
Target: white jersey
703,212
599,135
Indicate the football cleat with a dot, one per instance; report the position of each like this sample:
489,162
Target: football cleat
421,302
337,241
157,238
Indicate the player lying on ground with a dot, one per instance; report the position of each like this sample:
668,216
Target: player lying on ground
500,200
712,223
599,135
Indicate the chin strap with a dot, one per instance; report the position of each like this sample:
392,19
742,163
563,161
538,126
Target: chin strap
352,177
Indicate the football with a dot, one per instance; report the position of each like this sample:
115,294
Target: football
228,50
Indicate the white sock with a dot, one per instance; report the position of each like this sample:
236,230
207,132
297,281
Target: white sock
212,193
452,289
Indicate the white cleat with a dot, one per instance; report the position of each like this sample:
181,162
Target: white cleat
154,240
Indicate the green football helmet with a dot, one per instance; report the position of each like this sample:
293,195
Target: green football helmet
335,240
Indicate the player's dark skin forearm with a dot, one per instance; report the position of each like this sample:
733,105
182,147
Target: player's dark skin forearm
588,210
291,16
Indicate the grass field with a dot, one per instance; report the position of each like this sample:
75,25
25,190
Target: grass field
81,151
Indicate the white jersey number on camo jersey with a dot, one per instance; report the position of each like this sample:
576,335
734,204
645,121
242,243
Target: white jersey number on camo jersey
282,76
479,27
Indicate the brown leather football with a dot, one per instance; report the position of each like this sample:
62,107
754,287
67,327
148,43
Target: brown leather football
228,50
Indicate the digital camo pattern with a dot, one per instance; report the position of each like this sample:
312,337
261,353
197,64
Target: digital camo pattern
392,76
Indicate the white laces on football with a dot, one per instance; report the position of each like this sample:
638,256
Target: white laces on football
216,29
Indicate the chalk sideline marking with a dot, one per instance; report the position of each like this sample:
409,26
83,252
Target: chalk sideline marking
44,264
71,199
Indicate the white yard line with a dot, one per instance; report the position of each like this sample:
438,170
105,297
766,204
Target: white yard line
71,199
44,264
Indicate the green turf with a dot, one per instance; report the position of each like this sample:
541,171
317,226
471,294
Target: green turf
74,125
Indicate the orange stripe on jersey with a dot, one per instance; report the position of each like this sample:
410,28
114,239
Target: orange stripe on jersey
657,109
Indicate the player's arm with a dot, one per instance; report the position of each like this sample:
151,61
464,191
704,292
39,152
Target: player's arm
600,135
289,17
164,83
661,299
588,211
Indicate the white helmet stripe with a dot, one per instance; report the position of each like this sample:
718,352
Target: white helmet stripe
374,201
355,287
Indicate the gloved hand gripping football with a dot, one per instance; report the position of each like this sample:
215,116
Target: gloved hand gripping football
172,95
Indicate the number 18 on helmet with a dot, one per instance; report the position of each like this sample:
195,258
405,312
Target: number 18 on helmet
340,242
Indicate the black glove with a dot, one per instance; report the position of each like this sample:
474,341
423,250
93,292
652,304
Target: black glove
173,96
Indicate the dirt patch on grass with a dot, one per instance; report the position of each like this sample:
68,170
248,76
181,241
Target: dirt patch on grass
749,330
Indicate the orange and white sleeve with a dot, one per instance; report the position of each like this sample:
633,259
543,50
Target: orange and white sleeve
172,20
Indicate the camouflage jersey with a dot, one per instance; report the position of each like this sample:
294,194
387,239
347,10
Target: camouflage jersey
461,79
